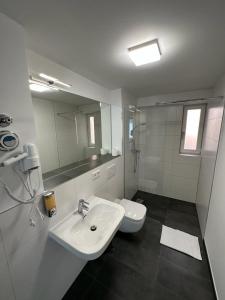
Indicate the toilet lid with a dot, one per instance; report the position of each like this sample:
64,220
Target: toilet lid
134,211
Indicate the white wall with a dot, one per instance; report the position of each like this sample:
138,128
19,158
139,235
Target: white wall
37,266
214,234
15,100
6,287
163,170
213,120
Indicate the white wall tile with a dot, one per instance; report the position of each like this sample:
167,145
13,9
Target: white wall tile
6,287
185,170
184,189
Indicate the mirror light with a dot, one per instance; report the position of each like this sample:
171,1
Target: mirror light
38,88
145,53
53,79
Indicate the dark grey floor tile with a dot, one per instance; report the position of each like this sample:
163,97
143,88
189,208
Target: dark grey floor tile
124,281
158,200
192,266
157,213
142,260
182,283
182,221
155,210
156,205
148,237
93,267
162,293
183,206
99,292
79,288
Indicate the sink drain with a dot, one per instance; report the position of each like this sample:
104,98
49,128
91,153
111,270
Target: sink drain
93,228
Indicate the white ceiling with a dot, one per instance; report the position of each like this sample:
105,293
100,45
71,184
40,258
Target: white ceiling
91,37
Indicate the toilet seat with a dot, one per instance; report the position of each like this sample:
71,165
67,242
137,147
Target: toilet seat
134,217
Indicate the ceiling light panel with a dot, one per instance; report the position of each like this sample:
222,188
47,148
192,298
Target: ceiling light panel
145,53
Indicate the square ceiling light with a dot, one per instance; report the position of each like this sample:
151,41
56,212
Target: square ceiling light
145,53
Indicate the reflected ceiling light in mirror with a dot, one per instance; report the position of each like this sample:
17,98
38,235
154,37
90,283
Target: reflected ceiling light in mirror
54,80
145,53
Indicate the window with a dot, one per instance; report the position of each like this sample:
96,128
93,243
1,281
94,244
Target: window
192,129
131,128
91,131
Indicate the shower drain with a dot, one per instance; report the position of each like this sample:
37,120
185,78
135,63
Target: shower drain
93,228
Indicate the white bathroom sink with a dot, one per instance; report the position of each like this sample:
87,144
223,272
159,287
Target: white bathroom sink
75,234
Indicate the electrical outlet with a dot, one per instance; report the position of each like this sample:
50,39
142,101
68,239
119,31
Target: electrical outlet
95,175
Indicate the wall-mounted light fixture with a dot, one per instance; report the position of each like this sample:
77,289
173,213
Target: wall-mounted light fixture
36,87
145,53
40,85
54,80
43,83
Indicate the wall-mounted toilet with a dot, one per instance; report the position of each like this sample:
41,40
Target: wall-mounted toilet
134,218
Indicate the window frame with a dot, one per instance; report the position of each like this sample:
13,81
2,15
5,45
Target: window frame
186,108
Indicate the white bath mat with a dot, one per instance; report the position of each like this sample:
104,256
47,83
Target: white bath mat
181,241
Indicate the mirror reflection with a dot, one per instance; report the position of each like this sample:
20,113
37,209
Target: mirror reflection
70,128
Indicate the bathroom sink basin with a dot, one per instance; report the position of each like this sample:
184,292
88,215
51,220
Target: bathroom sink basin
89,237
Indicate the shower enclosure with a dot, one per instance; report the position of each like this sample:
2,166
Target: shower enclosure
131,151
154,161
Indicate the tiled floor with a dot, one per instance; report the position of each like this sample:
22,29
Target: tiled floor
137,267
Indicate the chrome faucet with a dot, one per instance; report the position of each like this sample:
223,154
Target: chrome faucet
82,205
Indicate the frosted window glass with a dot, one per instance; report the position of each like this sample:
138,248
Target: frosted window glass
192,128
131,128
92,130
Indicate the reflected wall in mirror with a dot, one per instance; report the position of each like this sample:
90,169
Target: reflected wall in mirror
70,128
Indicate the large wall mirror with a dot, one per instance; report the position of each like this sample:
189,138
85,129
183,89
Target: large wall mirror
70,129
